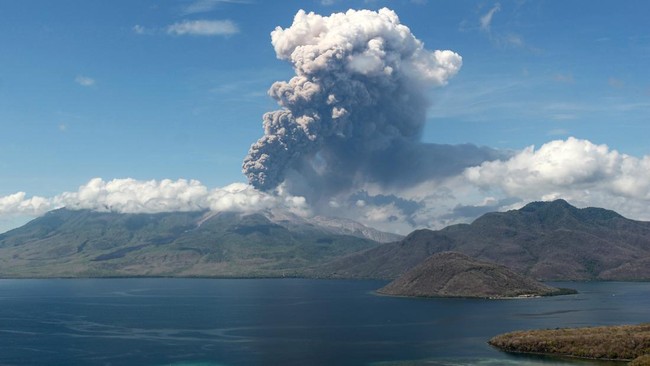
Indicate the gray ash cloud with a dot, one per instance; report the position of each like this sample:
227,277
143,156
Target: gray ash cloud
355,110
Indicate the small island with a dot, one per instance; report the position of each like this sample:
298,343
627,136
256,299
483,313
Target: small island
617,343
451,274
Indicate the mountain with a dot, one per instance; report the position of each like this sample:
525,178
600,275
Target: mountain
83,243
451,274
334,225
544,240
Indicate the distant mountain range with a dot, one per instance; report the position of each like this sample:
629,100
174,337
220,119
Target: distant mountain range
83,243
544,240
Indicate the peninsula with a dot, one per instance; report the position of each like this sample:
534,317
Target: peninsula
620,343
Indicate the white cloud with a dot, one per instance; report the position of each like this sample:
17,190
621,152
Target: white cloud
502,37
192,27
133,196
152,196
555,164
240,197
384,213
486,20
139,29
577,170
203,28
84,80
18,204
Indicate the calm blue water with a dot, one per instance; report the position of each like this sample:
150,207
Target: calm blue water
281,322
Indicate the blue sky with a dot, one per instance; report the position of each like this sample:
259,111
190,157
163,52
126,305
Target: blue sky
134,89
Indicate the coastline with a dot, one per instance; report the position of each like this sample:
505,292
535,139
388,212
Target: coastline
622,343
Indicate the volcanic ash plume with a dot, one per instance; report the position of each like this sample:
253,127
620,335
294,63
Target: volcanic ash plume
357,100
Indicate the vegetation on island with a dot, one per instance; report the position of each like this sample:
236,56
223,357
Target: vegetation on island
620,343
641,361
451,274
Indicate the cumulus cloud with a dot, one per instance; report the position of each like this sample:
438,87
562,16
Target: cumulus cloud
152,196
573,169
133,196
203,28
355,108
241,197
556,164
19,204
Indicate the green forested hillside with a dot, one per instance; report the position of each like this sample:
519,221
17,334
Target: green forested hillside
66,243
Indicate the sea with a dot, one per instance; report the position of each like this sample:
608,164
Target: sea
219,322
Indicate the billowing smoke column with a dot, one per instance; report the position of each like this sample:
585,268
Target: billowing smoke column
356,106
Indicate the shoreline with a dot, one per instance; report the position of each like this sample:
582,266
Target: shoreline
296,277
565,356
616,343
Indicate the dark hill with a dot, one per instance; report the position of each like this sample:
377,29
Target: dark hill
545,240
451,274
82,243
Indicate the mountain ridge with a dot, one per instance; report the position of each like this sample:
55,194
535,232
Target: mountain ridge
84,243
545,240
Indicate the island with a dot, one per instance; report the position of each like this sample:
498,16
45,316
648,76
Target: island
452,274
617,343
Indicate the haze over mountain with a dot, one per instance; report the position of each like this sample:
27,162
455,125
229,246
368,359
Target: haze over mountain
85,243
545,240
